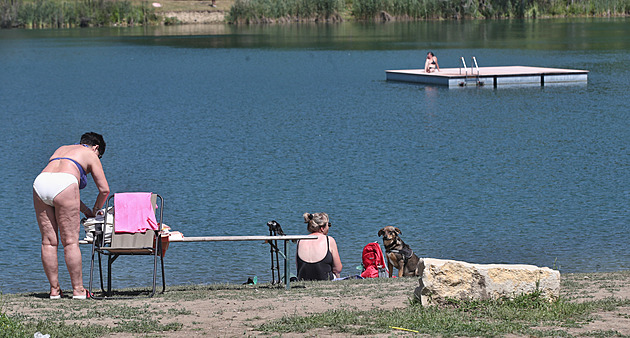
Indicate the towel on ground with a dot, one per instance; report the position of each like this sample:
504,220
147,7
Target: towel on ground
133,212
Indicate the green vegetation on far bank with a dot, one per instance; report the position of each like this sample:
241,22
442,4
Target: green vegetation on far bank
486,9
257,11
84,13
79,13
254,11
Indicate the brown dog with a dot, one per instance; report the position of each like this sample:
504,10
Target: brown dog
399,254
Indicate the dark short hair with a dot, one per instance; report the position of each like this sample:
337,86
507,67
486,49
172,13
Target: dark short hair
94,139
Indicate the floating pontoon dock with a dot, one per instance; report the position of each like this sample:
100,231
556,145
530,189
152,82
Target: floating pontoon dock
490,76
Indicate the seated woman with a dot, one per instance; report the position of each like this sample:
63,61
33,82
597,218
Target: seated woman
431,63
318,259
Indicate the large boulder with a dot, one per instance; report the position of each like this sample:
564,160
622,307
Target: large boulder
443,279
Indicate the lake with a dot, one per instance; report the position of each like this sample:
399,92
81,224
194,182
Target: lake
239,125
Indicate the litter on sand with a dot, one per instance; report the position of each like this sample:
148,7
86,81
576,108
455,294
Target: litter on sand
403,329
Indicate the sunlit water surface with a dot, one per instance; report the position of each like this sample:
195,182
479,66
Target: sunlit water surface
236,126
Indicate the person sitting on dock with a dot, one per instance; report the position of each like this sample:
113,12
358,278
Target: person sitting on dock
318,259
431,63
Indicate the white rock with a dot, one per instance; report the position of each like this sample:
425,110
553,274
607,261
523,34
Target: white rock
441,279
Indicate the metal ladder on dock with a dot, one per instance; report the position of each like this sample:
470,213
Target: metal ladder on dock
470,78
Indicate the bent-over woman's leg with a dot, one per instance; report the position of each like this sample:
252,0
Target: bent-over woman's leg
48,228
67,204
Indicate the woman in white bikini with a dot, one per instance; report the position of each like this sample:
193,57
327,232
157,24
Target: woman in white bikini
58,205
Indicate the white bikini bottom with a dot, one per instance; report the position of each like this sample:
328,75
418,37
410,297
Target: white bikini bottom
48,185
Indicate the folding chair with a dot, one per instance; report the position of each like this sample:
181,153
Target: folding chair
140,243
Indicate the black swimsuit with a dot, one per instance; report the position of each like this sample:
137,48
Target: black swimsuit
321,270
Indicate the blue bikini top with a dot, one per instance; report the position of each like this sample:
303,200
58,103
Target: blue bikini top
83,179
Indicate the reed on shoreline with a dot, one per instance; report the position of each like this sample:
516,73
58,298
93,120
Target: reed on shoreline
257,11
261,11
83,13
90,13
485,9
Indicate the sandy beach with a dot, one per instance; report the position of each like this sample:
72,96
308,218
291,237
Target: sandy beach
238,310
196,17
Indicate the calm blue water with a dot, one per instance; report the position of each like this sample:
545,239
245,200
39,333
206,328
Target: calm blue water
236,126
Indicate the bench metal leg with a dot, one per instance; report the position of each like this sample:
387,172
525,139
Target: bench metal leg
287,266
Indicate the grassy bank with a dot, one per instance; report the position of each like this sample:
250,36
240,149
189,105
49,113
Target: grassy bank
590,305
520,316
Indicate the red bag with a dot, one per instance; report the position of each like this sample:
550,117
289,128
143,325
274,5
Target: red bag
370,272
373,260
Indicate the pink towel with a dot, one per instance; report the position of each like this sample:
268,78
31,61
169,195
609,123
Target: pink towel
133,212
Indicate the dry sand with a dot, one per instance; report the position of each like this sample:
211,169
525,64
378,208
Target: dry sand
228,310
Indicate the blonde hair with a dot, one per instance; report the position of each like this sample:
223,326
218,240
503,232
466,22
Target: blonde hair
315,221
